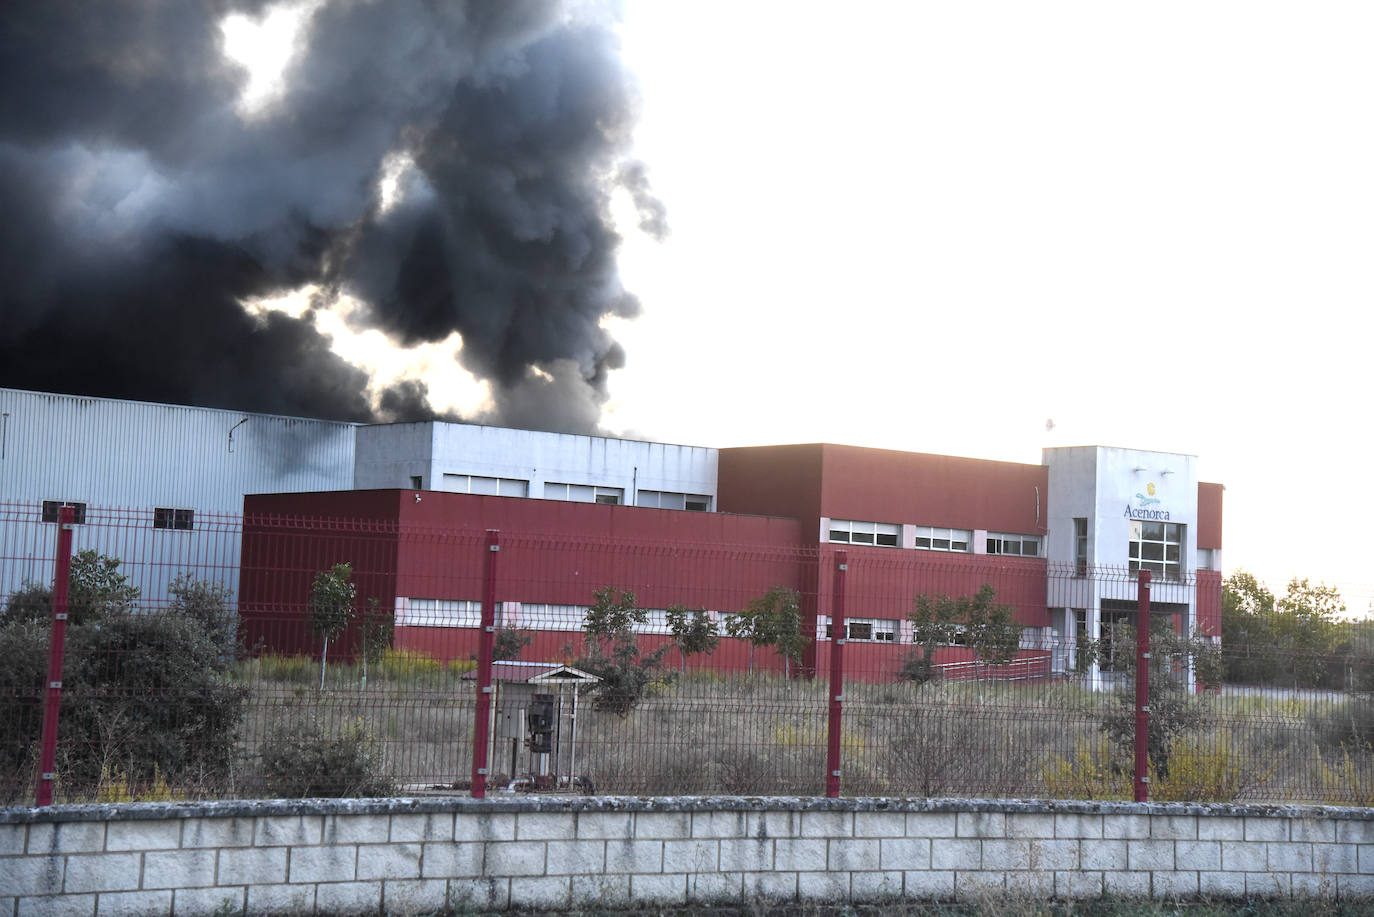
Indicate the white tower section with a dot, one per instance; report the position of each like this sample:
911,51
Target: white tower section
1111,512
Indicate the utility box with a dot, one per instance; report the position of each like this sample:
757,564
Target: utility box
534,726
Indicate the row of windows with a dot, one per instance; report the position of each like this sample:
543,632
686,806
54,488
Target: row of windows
576,493
164,517
883,534
585,493
540,616
1019,545
480,484
930,538
668,499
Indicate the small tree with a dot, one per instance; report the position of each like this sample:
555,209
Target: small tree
693,632
509,644
374,631
976,621
773,620
331,606
612,652
1173,708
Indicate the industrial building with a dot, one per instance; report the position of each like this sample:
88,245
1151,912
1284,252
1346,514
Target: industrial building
164,487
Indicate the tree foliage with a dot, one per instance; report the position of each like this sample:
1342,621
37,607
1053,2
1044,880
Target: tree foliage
976,621
510,643
96,588
1175,658
612,652
332,597
693,631
207,603
1297,640
772,620
147,695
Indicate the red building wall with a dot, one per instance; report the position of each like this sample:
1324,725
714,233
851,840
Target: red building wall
885,486
1209,498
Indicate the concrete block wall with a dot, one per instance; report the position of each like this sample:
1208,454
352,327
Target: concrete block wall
416,855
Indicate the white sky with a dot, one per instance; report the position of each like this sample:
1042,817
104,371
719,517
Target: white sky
933,226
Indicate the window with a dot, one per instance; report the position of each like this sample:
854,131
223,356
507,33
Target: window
52,511
874,630
881,534
491,487
1204,558
1080,547
1157,547
933,539
667,499
1019,545
438,613
584,493
417,482
165,518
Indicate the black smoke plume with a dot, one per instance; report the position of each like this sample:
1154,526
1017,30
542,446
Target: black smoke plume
142,207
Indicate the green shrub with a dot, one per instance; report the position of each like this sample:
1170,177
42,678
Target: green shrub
308,759
150,694
1348,725
23,670
210,604
147,696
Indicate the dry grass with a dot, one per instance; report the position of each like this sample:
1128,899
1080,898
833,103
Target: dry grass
763,735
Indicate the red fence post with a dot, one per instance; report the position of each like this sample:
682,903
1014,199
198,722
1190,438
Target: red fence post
53,699
481,734
1142,689
837,639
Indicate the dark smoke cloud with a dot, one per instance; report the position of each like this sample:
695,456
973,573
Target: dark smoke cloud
142,208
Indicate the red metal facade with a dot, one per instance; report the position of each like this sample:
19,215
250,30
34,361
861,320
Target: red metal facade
425,545
1209,515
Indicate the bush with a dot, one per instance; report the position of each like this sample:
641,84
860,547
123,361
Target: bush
1349,725
151,694
1203,771
207,603
32,603
23,670
307,760
144,696
408,665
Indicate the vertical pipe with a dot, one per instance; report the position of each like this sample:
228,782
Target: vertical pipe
1142,689
481,729
53,699
837,641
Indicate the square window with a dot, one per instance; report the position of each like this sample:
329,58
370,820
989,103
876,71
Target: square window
52,511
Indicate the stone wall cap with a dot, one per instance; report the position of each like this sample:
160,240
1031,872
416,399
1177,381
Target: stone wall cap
504,803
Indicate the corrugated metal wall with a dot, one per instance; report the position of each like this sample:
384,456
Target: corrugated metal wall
123,459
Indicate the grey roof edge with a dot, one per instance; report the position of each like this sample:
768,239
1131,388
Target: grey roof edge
570,804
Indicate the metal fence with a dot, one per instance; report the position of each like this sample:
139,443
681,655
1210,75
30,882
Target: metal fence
238,657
